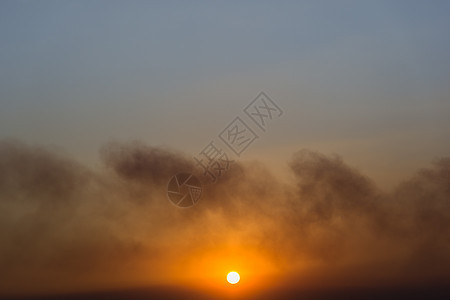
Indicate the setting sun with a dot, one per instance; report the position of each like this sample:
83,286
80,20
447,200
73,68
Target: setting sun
233,277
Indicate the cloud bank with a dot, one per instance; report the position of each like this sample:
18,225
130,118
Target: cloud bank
65,226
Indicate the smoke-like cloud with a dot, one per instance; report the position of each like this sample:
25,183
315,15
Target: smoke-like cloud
65,226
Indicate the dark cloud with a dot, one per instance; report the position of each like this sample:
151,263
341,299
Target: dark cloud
60,219
148,165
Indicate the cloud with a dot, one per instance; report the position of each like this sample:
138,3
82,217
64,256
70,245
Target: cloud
61,221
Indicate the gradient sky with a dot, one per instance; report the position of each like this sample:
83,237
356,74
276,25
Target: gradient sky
366,80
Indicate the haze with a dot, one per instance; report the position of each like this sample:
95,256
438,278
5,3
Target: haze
102,102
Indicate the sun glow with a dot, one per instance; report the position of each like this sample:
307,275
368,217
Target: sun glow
233,277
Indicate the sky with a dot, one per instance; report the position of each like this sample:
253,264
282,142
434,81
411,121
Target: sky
101,102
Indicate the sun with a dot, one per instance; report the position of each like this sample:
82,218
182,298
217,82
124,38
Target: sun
233,277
